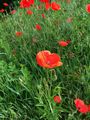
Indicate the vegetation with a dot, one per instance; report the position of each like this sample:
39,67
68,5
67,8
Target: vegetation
27,89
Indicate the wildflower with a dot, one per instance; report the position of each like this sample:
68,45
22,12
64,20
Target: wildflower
88,8
38,27
55,6
5,4
26,3
81,106
43,15
47,6
13,12
63,43
29,12
88,108
2,10
47,59
45,1
57,99
18,34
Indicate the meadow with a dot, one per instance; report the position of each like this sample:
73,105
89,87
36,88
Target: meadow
45,61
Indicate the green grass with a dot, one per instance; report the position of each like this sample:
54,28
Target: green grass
26,89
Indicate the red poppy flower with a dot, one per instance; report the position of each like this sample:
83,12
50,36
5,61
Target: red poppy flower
83,109
47,6
88,108
38,27
43,15
88,8
55,6
18,34
2,10
29,12
5,4
45,1
57,99
81,106
26,3
13,12
47,59
63,43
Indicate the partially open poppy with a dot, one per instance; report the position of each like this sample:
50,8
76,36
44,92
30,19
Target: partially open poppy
57,99
47,6
5,4
18,34
47,59
2,10
43,15
88,108
29,12
26,3
13,12
44,1
88,8
81,106
63,43
55,6
38,27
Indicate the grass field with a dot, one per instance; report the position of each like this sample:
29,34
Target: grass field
27,90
